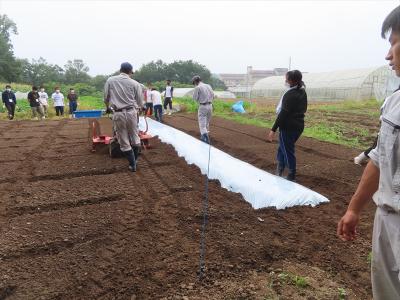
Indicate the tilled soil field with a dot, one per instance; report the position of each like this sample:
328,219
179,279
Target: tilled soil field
78,225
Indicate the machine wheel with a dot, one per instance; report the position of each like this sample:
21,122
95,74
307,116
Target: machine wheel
145,143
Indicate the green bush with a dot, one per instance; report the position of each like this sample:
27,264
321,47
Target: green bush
16,87
91,102
219,106
83,89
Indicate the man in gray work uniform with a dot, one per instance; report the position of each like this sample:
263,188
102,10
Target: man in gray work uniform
381,182
125,97
204,95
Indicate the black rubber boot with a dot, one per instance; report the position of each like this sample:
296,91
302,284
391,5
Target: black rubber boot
136,151
279,170
204,137
291,175
131,159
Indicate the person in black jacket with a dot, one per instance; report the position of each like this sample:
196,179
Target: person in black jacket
290,121
9,101
37,109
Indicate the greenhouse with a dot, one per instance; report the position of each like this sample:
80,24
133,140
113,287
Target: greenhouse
359,84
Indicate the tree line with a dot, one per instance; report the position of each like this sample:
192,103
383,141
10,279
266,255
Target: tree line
75,71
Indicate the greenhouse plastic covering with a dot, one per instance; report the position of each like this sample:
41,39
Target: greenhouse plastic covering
259,188
357,84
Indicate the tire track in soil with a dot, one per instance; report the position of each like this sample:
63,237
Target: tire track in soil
108,279
156,202
27,170
25,166
61,205
6,128
37,178
50,248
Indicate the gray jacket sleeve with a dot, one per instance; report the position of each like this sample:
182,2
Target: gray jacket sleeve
374,155
140,96
106,92
196,94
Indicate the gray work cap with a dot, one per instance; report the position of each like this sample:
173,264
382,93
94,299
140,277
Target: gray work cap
196,79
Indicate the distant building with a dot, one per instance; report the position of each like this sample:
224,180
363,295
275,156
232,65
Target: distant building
240,84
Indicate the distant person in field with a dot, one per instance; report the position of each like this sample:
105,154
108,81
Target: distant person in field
43,99
34,103
125,96
168,94
58,99
149,101
157,104
290,122
381,182
204,95
73,101
9,101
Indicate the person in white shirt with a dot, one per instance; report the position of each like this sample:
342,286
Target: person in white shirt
169,91
149,102
43,97
157,104
58,99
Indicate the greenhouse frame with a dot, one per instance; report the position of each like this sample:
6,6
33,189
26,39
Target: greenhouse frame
359,84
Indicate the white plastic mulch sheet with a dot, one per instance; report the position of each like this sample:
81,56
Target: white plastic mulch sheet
259,188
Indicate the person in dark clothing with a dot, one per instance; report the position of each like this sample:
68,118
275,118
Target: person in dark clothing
73,101
9,101
33,98
290,121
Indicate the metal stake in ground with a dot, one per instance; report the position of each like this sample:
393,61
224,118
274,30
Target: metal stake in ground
202,264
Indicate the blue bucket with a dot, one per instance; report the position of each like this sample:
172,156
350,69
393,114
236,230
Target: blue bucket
88,113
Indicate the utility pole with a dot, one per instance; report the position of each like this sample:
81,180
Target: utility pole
290,63
248,81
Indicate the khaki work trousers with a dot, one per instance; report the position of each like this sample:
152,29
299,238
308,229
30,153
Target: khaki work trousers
386,256
126,127
37,111
204,115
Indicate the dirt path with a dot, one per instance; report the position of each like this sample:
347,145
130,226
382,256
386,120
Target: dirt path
77,225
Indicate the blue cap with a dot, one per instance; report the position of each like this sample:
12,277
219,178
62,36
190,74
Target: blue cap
126,67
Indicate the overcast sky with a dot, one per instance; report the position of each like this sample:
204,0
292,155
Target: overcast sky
226,36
